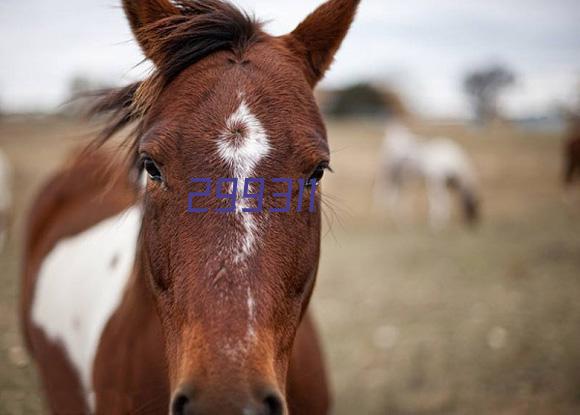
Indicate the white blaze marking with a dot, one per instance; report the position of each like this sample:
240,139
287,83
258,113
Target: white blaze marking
233,349
251,333
242,146
243,155
80,285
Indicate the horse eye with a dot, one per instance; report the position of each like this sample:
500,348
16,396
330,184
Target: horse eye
152,170
318,173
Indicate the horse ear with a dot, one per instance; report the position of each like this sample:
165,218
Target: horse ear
317,39
142,14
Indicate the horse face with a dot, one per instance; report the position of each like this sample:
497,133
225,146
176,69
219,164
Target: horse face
231,275
231,286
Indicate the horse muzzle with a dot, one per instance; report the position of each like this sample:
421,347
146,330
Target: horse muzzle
262,401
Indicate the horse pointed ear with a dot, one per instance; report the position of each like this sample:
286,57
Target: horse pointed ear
317,39
142,15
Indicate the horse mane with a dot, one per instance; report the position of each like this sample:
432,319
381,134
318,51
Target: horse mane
201,28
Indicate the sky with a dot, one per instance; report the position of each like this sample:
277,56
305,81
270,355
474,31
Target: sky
422,48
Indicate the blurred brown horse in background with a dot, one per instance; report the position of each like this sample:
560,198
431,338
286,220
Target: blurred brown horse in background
572,152
130,303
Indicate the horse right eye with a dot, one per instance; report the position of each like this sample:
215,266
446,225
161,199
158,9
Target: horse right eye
152,170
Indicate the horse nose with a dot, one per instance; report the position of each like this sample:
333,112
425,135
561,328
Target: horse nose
182,405
272,402
265,402
183,401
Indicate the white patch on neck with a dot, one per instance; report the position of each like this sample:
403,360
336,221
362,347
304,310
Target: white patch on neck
243,155
80,285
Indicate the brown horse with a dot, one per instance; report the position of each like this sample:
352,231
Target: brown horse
133,304
572,152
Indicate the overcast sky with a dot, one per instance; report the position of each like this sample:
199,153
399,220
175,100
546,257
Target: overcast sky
421,47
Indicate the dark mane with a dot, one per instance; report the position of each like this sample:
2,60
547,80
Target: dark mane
201,28
204,27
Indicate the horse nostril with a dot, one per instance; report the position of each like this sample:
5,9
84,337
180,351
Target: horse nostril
273,404
181,405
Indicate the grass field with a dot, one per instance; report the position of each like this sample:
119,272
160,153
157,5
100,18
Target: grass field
483,321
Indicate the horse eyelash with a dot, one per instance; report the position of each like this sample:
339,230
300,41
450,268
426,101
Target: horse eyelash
326,166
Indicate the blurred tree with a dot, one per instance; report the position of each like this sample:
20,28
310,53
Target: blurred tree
483,87
364,99
80,85
358,99
578,98
394,105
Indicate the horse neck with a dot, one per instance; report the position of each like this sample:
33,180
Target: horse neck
138,293
137,311
137,303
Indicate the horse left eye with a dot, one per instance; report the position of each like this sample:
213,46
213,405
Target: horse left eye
318,173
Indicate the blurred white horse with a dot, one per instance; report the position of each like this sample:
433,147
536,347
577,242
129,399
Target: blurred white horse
5,197
440,162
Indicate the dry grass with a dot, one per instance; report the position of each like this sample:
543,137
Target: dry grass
414,322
